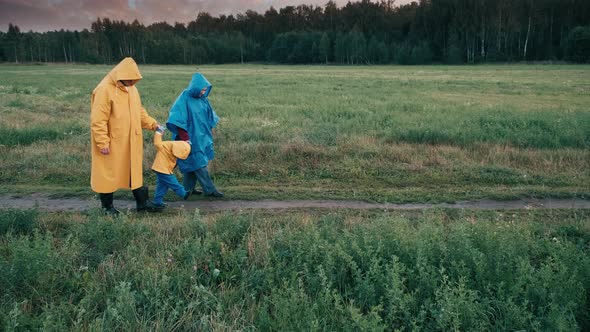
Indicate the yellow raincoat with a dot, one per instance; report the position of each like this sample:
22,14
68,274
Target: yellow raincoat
168,151
116,119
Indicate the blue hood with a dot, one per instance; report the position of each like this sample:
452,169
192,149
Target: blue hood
195,115
198,82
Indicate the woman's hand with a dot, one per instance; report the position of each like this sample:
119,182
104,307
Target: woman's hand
105,151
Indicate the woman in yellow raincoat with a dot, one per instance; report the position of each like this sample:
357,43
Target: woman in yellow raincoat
116,120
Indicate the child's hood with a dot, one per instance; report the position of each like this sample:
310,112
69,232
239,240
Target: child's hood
181,149
198,82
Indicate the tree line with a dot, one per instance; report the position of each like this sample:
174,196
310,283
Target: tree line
363,32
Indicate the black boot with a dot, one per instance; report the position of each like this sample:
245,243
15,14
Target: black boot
106,201
141,195
216,194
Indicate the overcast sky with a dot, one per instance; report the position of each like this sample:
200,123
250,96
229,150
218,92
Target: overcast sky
44,15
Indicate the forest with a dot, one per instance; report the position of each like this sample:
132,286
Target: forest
358,33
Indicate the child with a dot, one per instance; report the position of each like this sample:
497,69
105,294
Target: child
192,118
163,165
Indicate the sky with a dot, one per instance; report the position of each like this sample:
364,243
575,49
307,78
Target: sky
45,15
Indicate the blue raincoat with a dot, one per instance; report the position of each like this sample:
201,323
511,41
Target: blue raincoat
195,115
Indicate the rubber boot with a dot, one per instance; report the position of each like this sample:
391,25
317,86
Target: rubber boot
142,201
216,194
106,201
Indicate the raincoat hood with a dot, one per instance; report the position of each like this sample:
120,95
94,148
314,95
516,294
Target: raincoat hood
126,70
181,149
198,82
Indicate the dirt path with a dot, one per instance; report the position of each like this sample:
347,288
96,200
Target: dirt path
45,203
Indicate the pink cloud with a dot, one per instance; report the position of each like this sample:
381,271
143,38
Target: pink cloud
79,14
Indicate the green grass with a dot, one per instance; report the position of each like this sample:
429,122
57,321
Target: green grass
433,270
387,134
12,137
382,133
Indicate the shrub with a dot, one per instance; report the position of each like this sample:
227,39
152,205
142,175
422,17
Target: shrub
433,271
18,222
102,237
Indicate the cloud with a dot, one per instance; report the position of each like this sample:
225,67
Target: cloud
79,14
54,15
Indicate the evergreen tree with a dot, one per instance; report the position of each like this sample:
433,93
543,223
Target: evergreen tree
578,45
324,47
13,37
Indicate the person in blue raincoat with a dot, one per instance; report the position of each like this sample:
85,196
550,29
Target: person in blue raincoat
192,119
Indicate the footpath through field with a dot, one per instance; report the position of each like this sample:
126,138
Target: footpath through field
45,203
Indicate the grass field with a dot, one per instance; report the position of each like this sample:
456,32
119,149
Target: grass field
297,271
396,134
